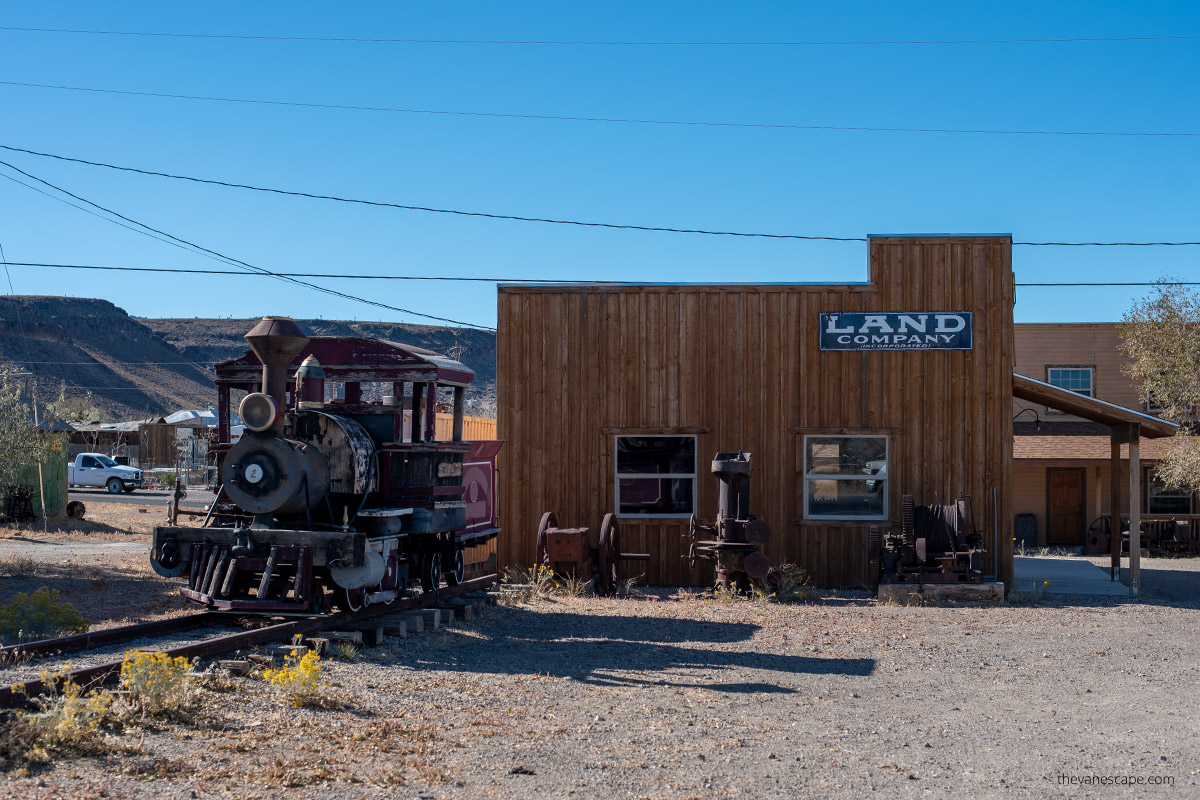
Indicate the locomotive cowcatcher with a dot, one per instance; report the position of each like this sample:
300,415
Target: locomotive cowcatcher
329,498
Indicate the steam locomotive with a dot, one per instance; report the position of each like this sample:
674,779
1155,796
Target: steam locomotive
329,499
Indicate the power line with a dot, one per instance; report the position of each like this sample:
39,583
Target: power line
488,215
338,275
238,262
614,120
477,279
99,363
611,43
456,212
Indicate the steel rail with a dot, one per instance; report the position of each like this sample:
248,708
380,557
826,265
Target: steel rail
97,675
92,639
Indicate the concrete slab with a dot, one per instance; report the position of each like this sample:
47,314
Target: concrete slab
1058,575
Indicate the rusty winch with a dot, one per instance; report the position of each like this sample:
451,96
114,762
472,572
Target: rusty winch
737,534
569,551
936,544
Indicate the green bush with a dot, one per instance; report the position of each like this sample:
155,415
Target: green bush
38,616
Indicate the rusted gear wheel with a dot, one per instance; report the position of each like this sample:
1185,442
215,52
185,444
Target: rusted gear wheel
691,556
757,531
549,520
607,554
693,527
757,565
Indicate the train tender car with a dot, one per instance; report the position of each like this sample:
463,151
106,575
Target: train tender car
328,498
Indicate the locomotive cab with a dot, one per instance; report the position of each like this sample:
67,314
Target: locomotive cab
340,490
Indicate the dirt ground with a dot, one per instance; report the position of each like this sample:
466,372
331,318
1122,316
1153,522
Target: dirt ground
100,564
675,695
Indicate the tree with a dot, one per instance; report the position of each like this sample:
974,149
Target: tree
1160,335
78,409
21,443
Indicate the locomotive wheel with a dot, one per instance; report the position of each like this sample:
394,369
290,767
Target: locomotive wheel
431,571
607,555
349,599
454,575
549,520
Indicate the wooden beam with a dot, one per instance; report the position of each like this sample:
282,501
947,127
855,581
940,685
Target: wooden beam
1135,523
1124,433
1114,508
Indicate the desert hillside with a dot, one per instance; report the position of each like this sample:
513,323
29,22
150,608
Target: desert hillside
135,368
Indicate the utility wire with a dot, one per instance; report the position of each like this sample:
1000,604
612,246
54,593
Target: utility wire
476,279
238,262
458,212
565,42
616,120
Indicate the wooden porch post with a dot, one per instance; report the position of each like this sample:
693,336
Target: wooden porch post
1135,508
1114,507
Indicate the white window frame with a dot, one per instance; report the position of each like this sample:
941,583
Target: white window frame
826,476
1089,368
620,476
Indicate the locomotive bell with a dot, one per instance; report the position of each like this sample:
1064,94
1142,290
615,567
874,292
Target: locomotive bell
276,341
310,384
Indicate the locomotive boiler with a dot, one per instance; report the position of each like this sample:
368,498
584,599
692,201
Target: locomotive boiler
329,498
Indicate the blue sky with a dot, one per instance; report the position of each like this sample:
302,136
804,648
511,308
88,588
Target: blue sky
835,183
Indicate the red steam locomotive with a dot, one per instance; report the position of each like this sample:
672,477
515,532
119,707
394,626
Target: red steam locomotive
328,498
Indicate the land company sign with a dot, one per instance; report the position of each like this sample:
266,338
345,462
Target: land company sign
903,330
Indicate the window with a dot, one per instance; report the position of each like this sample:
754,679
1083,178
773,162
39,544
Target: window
845,477
656,476
1075,379
90,463
1161,500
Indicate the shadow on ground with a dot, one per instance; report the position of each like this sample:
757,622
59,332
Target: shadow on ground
619,651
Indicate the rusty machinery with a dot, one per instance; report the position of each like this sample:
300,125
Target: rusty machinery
569,551
737,534
936,544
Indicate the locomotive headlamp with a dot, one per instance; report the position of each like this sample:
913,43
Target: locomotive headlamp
258,411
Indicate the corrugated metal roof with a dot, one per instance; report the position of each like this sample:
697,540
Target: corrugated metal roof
204,417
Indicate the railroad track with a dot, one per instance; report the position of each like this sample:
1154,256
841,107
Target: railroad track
99,674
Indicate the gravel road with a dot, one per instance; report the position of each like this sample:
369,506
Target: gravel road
675,696
197,498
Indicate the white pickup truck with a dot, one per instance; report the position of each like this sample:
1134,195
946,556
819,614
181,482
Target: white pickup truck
96,469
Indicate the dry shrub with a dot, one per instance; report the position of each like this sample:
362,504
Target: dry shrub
299,679
66,720
18,566
785,583
156,683
38,616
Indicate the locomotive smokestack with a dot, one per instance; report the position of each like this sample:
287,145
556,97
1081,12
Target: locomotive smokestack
276,341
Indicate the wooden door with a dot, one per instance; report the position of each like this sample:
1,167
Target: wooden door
1065,518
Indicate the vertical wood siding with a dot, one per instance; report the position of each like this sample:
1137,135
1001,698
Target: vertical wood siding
740,366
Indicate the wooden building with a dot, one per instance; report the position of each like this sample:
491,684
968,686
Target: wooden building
617,397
